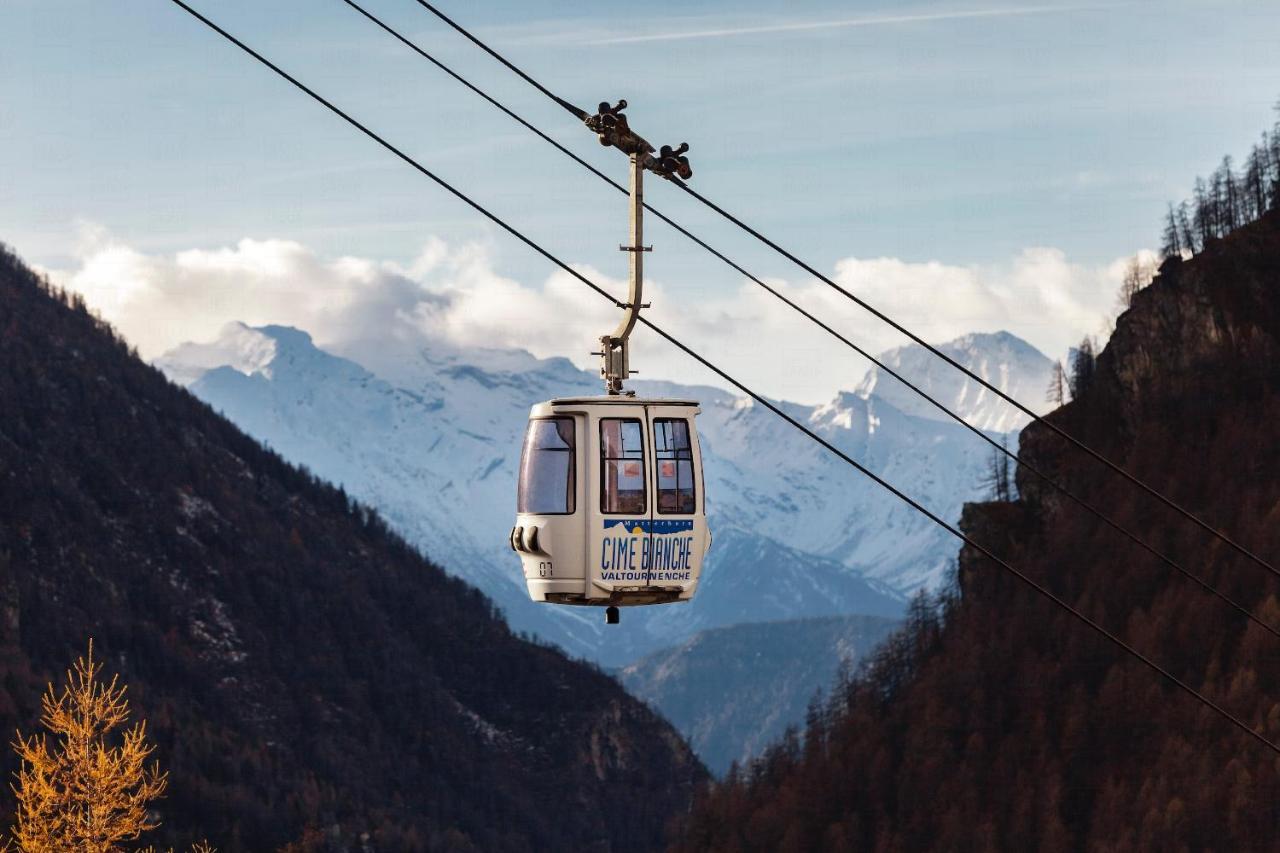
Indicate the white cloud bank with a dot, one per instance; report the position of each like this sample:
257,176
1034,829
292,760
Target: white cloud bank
453,293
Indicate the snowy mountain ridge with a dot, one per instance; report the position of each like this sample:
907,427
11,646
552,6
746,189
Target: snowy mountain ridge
1003,359
430,436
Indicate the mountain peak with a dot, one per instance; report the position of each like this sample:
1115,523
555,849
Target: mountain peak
250,350
1001,358
288,335
243,348
992,342
1001,337
843,410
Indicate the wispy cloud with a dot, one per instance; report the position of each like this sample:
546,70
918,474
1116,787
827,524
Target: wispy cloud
865,21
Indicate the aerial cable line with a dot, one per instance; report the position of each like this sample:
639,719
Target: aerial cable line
914,504
580,114
1168,502
1204,585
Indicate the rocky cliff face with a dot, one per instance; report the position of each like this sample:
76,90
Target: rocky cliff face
1019,727
1183,397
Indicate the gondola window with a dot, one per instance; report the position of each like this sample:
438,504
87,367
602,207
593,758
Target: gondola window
622,481
674,453
547,468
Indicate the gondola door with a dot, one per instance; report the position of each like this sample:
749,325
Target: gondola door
677,526
623,514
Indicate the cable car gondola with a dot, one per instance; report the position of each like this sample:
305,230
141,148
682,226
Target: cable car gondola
610,505
610,502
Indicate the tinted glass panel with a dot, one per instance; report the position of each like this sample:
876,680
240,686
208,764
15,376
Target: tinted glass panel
547,468
621,466
674,453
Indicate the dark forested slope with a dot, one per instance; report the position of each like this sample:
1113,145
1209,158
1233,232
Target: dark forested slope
299,666
733,691
1003,723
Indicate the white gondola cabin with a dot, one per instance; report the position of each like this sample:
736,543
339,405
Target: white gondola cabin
610,502
609,510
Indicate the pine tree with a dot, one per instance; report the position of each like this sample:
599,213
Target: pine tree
998,479
1057,392
1135,278
1203,216
1229,199
1255,182
1082,368
1171,242
1189,242
84,795
1272,146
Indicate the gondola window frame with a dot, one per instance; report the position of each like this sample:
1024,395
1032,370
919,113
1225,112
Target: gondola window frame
607,463
531,471
666,450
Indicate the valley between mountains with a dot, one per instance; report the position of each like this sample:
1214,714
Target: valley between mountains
429,434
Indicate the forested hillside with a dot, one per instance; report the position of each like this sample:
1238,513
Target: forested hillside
996,721
734,691
302,670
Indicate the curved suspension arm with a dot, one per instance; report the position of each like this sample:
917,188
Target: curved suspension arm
635,278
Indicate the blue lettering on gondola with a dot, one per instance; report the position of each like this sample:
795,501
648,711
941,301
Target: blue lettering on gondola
647,551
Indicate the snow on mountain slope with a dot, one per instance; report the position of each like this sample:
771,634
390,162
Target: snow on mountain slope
239,348
433,456
766,477
430,436
1005,360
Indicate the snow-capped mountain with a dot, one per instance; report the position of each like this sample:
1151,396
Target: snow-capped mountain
1005,360
430,436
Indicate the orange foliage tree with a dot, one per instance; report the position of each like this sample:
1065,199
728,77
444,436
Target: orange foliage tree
88,789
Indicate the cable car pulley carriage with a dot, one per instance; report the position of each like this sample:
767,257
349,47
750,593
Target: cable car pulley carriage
610,505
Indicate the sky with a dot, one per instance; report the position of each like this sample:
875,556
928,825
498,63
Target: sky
966,166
